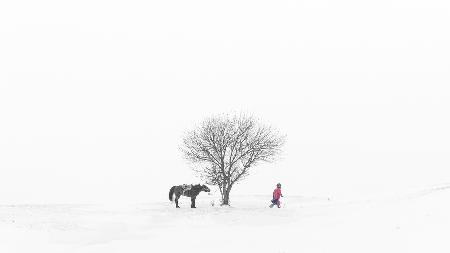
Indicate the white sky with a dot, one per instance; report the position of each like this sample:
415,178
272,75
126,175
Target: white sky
95,96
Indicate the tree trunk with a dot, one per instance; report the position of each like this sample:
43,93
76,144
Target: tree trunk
226,196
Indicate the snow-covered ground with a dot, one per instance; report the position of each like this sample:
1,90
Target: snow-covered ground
415,222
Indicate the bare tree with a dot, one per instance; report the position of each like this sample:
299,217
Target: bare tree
225,147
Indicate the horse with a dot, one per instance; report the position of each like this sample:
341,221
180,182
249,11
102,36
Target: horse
187,190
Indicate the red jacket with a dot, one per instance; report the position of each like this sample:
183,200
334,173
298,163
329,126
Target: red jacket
277,193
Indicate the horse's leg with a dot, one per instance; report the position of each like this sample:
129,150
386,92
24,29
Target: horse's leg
193,202
176,201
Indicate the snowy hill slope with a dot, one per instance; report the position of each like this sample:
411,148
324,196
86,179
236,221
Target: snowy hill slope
416,222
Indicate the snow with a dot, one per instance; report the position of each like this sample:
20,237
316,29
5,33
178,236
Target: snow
413,222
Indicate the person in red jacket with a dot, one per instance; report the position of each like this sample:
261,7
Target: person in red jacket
276,196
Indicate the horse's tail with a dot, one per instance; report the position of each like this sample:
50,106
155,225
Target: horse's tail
171,193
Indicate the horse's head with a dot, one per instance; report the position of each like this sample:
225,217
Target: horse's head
205,188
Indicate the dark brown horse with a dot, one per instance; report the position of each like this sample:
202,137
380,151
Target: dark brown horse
187,190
